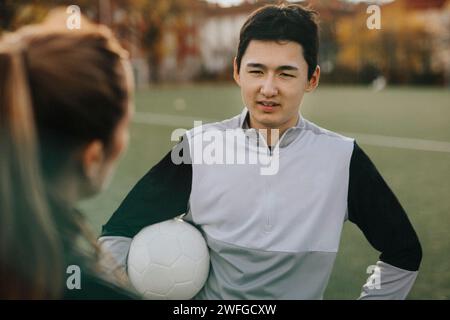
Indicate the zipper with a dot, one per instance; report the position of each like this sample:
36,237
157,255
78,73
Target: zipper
268,225
259,136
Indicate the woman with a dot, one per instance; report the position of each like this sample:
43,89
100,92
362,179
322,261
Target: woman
65,105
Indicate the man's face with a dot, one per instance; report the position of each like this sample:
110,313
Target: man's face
273,78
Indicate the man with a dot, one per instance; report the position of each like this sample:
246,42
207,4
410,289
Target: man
274,235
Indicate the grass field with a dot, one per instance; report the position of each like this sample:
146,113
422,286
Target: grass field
419,177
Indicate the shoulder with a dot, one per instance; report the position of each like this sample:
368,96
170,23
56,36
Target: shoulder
220,126
326,142
93,287
323,133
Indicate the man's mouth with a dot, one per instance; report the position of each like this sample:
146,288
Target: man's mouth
267,106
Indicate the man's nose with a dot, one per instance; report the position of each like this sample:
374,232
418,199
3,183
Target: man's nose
268,87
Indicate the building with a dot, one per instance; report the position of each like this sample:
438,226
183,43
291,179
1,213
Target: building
200,41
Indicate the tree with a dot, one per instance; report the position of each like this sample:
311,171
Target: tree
152,18
17,13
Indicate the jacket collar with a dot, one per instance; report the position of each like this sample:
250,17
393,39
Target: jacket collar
288,136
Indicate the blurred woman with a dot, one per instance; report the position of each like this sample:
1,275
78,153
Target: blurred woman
65,105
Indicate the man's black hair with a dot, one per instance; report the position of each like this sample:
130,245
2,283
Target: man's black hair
283,23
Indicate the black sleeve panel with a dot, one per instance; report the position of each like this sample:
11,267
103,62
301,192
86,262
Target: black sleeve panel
162,194
373,207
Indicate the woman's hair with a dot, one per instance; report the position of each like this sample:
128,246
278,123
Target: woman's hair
60,89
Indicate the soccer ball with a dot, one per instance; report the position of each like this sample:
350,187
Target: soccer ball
168,260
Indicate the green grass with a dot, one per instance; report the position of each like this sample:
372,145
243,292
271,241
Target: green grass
421,180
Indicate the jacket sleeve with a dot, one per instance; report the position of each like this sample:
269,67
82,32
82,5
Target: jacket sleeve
373,207
163,193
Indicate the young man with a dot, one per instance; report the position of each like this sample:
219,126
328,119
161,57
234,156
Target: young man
274,235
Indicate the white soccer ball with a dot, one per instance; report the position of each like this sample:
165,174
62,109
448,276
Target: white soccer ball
168,260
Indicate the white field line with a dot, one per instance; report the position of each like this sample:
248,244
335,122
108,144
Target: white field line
167,120
369,139
399,142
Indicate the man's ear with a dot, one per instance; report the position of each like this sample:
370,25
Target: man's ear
236,76
314,81
92,157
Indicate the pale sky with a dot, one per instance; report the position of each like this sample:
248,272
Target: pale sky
227,3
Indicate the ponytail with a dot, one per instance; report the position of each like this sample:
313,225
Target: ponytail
30,248
59,90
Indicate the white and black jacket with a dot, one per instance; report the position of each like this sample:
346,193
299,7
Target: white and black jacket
274,236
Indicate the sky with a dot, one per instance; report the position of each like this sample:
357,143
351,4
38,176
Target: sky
227,3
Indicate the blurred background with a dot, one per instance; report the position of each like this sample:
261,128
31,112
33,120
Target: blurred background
196,40
389,88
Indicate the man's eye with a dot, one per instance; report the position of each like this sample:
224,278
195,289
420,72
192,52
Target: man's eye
255,71
287,75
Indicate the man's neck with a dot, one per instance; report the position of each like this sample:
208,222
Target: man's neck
272,135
